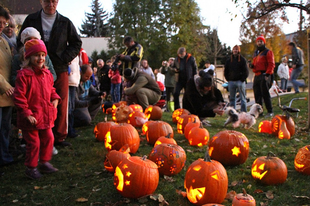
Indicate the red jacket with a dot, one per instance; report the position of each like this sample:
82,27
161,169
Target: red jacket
263,62
115,76
33,95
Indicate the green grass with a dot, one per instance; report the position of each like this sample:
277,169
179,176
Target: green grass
82,174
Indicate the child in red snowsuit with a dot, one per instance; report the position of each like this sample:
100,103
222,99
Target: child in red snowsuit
36,101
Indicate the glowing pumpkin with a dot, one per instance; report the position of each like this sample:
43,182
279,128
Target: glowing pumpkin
243,199
157,129
269,170
169,158
302,160
276,124
137,119
153,112
184,119
177,113
145,126
114,157
101,130
122,112
165,139
229,147
283,132
265,127
198,136
136,107
120,135
206,181
190,126
135,177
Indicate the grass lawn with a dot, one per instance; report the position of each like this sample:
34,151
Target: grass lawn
83,180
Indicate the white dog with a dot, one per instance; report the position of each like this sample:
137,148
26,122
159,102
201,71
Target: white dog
247,119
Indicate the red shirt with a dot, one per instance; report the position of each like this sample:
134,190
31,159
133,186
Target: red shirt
263,62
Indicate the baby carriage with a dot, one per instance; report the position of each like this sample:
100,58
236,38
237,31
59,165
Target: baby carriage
162,102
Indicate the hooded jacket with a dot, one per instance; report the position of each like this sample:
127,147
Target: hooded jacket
263,62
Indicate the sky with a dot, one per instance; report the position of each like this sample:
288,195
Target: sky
215,13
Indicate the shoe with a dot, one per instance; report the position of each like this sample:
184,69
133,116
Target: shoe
55,151
269,115
47,168
33,173
63,144
296,92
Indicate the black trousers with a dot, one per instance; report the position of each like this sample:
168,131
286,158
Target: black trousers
261,91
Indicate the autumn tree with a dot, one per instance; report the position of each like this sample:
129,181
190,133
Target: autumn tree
95,24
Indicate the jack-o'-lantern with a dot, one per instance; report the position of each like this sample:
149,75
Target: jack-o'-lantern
265,127
136,107
137,119
153,112
184,119
122,112
145,126
114,108
165,139
276,124
109,110
198,136
114,157
135,177
157,129
101,130
120,135
229,147
189,126
177,113
243,199
206,181
169,158
269,170
302,160
283,132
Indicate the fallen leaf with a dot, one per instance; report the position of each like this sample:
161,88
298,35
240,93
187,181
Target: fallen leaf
169,179
234,183
182,193
188,150
258,191
301,197
98,173
263,203
230,195
182,141
154,197
265,146
249,186
269,195
37,187
81,199
143,200
15,201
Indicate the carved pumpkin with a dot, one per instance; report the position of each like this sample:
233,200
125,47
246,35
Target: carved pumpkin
122,112
276,123
169,158
229,147
120,135
265,127
198,136
145,126
153,112
101,130
165,139
189,126
177,113
302,160
283,132
137,119
136,107
243,199
135,177
269,170
157,129
114,157
109,111
206,181
184,119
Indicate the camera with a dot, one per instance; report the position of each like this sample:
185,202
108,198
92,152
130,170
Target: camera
115,65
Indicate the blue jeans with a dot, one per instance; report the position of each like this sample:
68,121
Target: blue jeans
294,75
283,84
115,92
233,87
5,127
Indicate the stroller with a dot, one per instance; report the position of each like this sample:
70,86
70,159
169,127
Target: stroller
162,102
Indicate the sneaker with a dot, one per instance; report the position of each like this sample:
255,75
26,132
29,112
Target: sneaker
63,144
269,115
55,151
33,173
47,168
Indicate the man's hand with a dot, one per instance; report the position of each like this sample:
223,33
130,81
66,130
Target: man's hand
218,111
55,102
32,120
10,91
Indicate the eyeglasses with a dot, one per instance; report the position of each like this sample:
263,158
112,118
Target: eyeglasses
4,23
50,1
11,26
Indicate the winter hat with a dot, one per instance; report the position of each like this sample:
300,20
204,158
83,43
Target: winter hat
33,46
205,79
29,32
261,37
130,73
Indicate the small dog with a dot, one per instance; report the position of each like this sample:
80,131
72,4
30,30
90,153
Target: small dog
247,119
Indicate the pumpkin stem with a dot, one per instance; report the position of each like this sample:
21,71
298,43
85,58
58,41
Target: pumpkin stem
144,157
201,125
270,154
207,156
168,135
244,192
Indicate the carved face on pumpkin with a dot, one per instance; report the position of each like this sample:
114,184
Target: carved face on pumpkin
302,160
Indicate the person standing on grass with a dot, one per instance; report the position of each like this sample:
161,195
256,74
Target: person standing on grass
36,101
283,73
298,65
169,72
63,45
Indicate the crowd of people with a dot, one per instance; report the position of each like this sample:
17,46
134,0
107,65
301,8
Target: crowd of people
47,77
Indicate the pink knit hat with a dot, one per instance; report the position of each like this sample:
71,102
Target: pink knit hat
34,46
261,37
